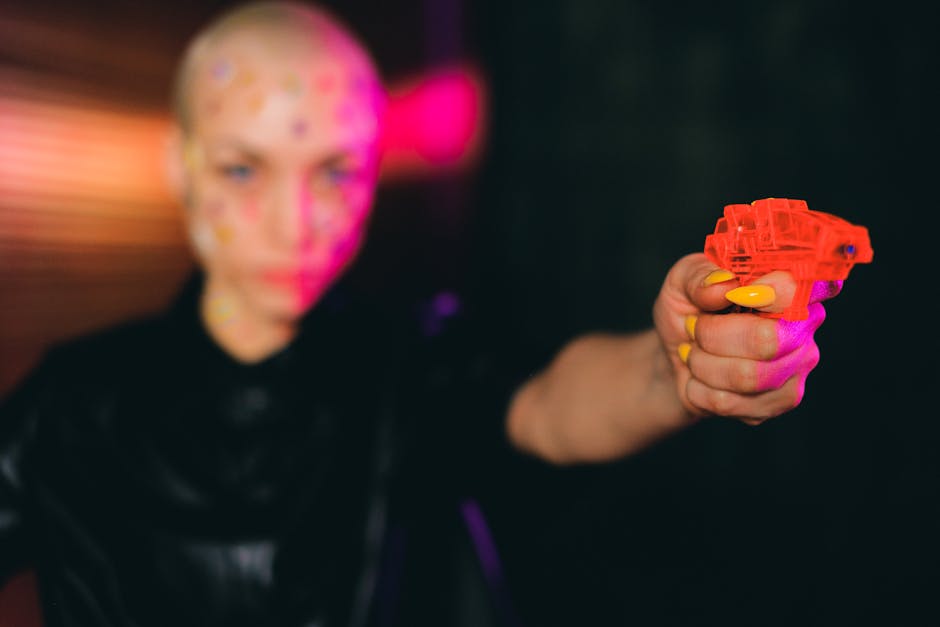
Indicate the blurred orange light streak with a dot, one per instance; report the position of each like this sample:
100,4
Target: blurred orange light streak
60,154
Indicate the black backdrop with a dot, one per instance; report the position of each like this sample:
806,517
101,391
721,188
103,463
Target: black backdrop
620,129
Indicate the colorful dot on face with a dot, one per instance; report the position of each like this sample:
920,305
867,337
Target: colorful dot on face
192,156
221,311
292,85
224,234
299,128
256,103
222,71
246,77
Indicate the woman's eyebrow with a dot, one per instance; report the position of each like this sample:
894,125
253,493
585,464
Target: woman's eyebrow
335,158
350,155
238,146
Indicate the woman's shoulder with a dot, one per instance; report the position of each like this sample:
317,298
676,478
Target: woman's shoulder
81,365
110,349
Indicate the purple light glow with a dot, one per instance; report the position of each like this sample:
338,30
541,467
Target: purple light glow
446,304
482,540
489,558
433,314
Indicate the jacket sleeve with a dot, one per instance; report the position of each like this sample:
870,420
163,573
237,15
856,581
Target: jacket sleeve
19,414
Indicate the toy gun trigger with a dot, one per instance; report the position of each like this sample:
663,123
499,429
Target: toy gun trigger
798,309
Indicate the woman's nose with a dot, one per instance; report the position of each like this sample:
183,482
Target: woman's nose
293,215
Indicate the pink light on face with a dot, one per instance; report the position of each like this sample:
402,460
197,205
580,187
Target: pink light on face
345,113
438,119
324,83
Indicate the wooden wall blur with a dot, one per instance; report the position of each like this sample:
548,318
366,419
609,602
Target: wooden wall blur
88,231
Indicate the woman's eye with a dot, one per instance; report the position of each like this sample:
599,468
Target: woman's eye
239,173
338,176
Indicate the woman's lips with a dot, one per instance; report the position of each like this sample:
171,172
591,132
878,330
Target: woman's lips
290,278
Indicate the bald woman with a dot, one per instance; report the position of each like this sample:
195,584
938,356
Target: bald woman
229,462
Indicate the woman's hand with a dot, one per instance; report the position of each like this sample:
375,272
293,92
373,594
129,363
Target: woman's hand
739,365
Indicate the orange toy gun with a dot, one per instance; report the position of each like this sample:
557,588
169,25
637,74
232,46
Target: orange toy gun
783,234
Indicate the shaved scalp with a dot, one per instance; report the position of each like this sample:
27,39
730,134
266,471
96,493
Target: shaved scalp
276,24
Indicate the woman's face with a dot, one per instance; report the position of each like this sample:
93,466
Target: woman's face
281,165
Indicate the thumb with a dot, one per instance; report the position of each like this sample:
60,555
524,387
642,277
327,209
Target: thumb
702,284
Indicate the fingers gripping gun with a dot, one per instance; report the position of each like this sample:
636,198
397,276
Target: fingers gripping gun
783,234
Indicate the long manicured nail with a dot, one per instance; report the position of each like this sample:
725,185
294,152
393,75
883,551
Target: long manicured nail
718,276
752,295
690,322
683,351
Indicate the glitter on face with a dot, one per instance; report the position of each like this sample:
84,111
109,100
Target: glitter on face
256,103
240,221
221,311
246,77
292,85
299,128
192,156
224,234
222,71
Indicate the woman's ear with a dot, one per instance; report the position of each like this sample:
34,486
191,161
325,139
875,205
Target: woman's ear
174,164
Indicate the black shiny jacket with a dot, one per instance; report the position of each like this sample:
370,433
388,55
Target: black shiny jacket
152,480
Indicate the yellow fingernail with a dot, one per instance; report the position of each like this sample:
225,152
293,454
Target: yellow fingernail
718,276
690,326
752,295
683,350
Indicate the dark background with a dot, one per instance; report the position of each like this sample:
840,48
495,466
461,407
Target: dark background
618,130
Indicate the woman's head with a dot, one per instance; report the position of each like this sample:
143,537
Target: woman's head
279,111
